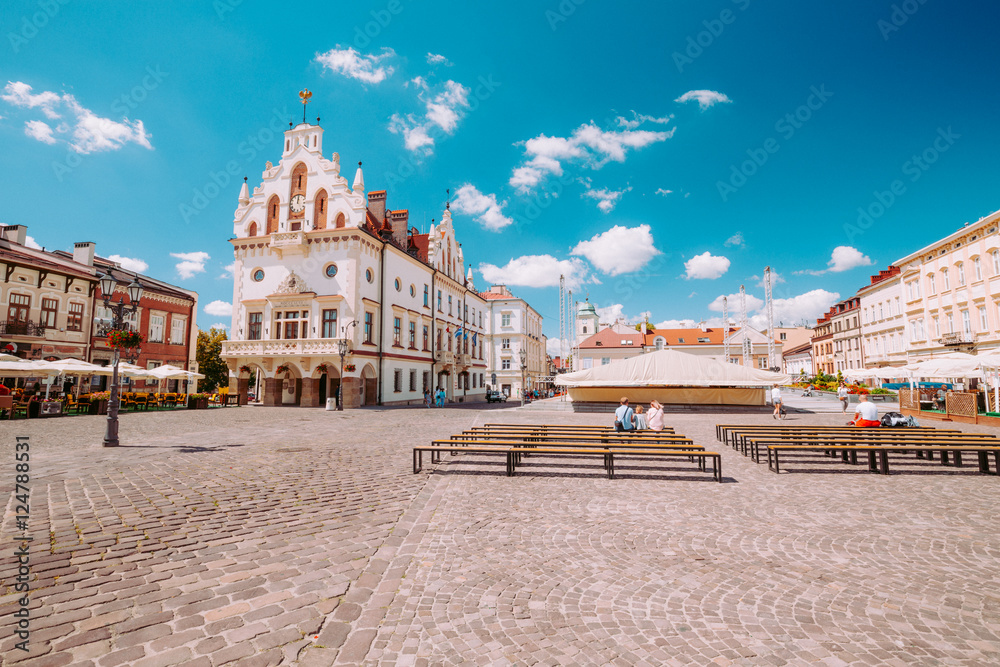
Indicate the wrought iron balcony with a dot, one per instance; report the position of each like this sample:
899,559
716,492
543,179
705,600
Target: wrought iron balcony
22,328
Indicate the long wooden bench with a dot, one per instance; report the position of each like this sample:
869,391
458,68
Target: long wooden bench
513,455
731,433
833,441
881,453
523,448
667,438
552,427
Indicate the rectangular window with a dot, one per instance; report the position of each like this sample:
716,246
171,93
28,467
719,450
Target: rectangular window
438,340
588,363
427,380
473,380
505,364
155,328
397,380
961,274
605,361
451,339
254,323
427,296
966,323
413,380
20,306
937,327
291,329
396,332
978,267
449,304
439,301
951,323
505,343
178,325
480,320
944,280
369,319
930,283
75,321
413,336
329,323
996,262
983,324
49,308
505,320
426,336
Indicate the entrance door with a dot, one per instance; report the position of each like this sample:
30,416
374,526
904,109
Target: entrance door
322,389
371,389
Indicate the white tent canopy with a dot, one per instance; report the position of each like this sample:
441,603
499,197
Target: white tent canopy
170,372
670,368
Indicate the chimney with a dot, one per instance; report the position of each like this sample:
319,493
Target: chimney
83,253
703,326
376,205
399,221
15,233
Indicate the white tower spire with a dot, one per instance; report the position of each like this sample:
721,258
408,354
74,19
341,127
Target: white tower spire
359,180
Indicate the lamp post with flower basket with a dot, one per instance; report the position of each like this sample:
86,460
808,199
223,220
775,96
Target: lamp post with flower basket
124,341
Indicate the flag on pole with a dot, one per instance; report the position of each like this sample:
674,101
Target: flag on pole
458,332
474,340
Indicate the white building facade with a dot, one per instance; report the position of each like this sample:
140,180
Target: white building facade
318,262
514,326
883,325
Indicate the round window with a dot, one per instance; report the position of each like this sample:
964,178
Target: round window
413,290
330,270
258,275
369,276
397,284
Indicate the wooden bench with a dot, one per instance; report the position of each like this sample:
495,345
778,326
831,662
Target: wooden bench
732,434
832,442
668,438
881,452
557,427
437,450
231,399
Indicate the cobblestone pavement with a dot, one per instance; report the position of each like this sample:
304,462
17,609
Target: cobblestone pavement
293,536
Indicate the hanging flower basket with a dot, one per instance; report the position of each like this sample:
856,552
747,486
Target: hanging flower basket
283,368
245,369
350,368
323,368
124,340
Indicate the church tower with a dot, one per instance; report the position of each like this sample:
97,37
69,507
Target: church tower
587,322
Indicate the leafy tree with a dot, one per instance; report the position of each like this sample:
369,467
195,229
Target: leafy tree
210,363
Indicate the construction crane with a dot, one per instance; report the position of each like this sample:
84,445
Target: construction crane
562,319
769,305
747,345
725,329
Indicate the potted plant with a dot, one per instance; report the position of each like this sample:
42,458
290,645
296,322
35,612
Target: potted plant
349,368
51,407
197,401
99,402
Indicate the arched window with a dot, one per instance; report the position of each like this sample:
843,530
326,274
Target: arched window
319,210
252,230
341,221
659,343
272,214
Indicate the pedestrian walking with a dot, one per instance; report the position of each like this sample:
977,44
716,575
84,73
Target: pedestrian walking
427,397
842,395
440,397
776,400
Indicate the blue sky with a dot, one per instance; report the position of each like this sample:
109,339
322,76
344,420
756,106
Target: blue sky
658,156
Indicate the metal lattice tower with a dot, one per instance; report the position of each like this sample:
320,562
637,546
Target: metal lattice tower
769,304
747,345
572,332
562,319
725,328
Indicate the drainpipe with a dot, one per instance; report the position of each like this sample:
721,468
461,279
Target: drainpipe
433,380
381,320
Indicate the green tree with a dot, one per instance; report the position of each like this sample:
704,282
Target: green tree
210,363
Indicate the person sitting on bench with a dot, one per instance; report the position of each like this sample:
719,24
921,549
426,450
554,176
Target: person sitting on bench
623,417
866,414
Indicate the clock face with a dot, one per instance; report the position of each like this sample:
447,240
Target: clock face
298,204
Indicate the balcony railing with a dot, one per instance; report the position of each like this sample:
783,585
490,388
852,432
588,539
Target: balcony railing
22,328
463,360
443,357
958,338
272,347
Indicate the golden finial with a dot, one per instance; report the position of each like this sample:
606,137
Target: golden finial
304,95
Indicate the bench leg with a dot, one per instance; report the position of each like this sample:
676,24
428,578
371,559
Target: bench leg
769,465
872,465
776,465
854,457
883,457
958,458
984,462
611,465
944,458
418,460
717,468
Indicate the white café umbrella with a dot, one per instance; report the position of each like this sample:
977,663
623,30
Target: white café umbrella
170,372
23,368
9,357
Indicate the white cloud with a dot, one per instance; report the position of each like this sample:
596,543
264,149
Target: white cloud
443,110
639,118
227,270
191,263
705,266
218,308
705,98
488,211
88,132
536,271
775,279
554,347
676,324
19,94
606,199
437,59
130,263
611,314
220,325
735,241
843,258
350,63
753,304
794,310
619,250
37,129
30,242
588,145
661,191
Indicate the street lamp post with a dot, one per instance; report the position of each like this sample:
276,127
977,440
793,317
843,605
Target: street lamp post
343,347
524,366
118,313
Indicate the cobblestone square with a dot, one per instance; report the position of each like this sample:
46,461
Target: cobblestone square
264,536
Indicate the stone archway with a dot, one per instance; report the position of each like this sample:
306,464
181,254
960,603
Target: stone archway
369,385
323,383
285,386
250,379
